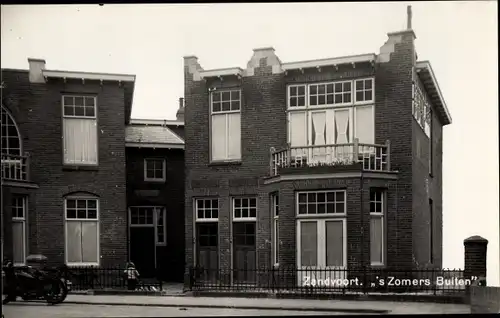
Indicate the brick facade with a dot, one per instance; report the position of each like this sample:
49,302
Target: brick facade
264,125
169,194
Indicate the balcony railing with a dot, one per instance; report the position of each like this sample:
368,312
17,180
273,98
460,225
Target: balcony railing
371,157
15,168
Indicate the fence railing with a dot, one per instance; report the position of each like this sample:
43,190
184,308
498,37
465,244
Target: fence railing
15,168
372,157
330,280
99,278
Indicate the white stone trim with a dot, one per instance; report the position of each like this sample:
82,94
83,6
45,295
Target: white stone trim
331,61
153,145
221,72
89,76
155,122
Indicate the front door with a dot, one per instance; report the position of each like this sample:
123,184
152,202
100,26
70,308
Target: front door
144,224
321,252
206,250
244,252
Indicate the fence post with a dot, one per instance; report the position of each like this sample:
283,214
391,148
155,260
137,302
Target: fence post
475,259
271,163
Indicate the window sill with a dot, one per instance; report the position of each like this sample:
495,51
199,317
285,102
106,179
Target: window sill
78,168
377,265
225,163
155,180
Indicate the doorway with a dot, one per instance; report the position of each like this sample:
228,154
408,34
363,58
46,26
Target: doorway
146,231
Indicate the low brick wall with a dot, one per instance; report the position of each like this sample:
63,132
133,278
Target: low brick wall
484,300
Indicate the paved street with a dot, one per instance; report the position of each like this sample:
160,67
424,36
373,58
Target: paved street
40,310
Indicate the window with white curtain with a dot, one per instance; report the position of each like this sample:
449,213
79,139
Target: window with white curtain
19,211
225,136
82,230
80,130
331,113
377,233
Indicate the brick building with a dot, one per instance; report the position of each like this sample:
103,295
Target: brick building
325,163
74,166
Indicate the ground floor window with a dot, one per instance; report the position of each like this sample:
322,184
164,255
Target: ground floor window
377,233
19,213
82,230
275,227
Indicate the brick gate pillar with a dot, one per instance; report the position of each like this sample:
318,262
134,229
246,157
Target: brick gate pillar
475,258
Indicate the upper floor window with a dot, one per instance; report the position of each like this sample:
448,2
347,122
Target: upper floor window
422,110
244,209
80,130
364,90
155,169
225,124
322,114
11,138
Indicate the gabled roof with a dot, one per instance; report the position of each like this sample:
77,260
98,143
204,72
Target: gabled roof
428,79
152,136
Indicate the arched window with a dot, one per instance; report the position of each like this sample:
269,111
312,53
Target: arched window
11,138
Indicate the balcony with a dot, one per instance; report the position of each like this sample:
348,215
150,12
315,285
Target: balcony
367,156
15,168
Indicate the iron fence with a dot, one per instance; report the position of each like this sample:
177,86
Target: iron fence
331,280
85,278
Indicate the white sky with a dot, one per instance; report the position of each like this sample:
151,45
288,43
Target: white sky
459,38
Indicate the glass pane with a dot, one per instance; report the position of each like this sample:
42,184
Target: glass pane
74,241
68,100
334,243
89,101
308,243
368,84
359,96
226,96
235,95
293,91
376,240
301,90
359,85
92,214
235,105
215,214
70,213
215,97
18,238
89,111
301,101
78,101
293,101
69,111
92,204
81,204
216,107
89,242
79,111
226,106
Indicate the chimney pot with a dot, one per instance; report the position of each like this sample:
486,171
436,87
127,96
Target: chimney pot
180,111
409,16
36,66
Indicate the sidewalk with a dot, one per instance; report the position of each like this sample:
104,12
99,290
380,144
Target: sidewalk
374,307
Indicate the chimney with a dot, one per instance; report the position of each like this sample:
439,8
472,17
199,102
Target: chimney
36,68
408,14
180,111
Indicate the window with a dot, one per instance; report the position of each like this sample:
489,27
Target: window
11,140
323,114
322,202
364,90
207,210
377,235
151,216
19,236
82,231
431,145
207,235
244,209
155,169
275,214
422,111
80,130
225,125
297,96
431,231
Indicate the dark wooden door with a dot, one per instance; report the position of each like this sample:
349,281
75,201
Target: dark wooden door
143,249
207,235
244,252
